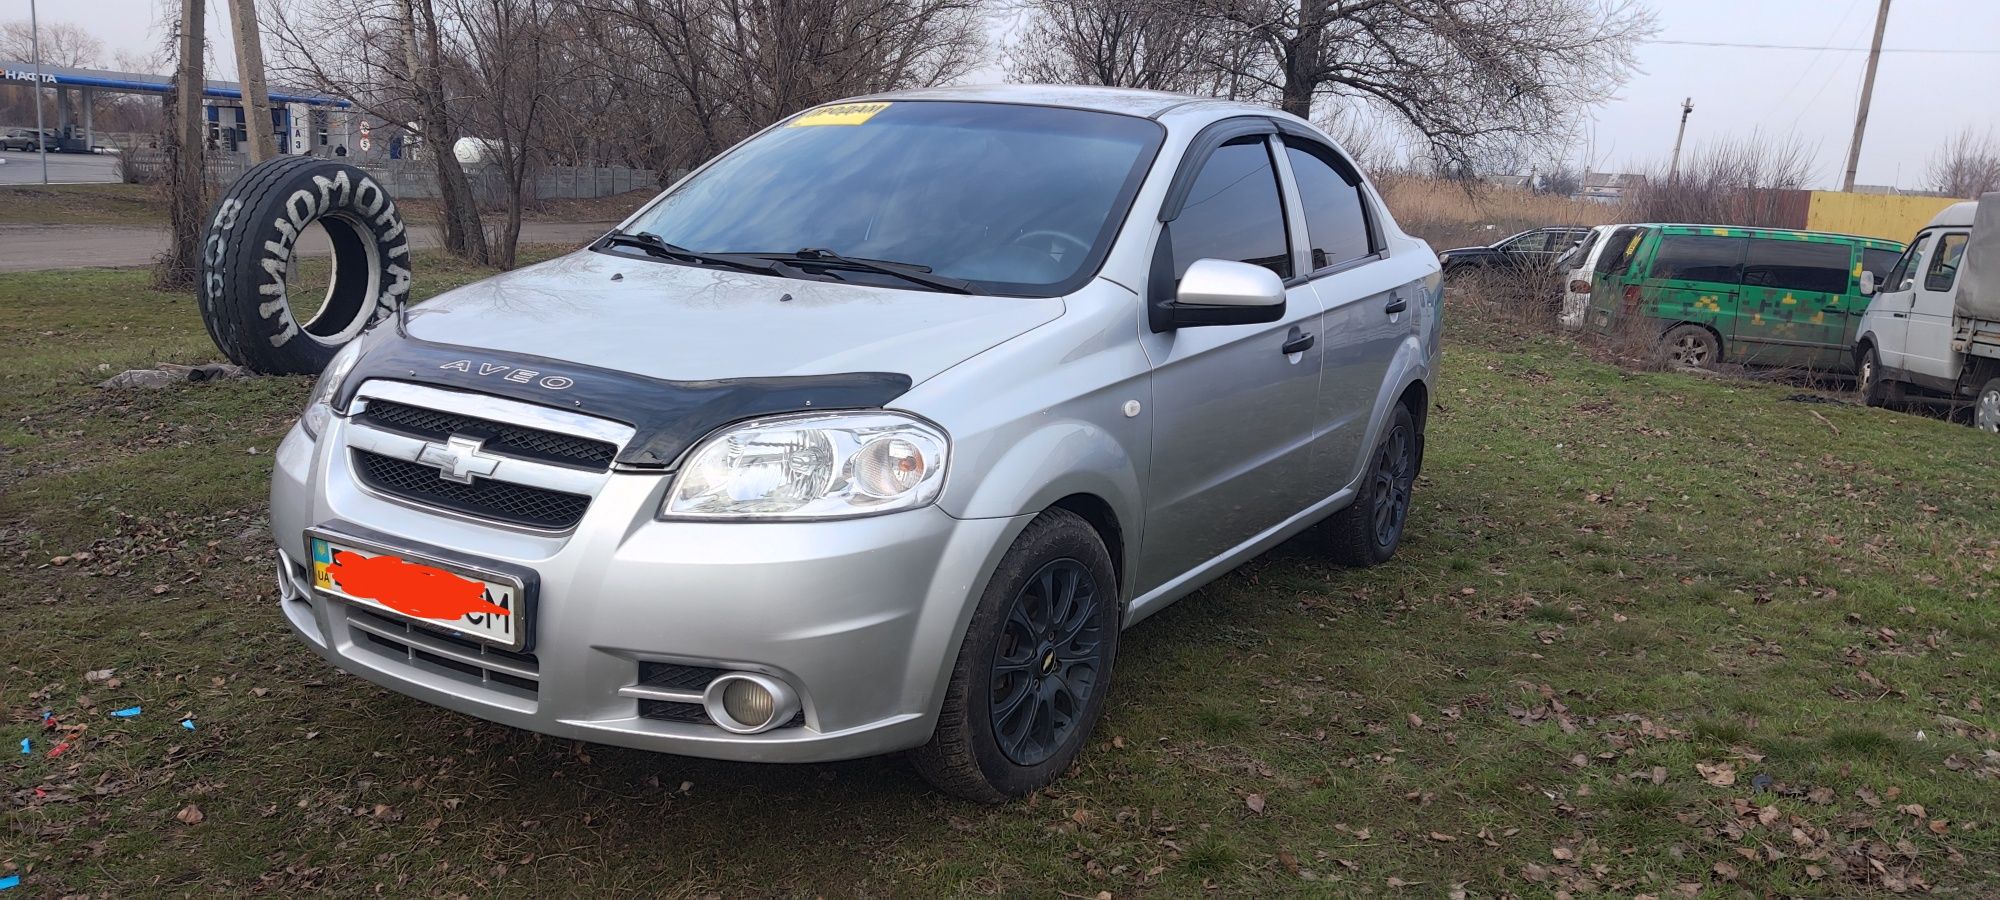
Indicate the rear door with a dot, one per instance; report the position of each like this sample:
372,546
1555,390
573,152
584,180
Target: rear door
1612,274
1792,308
1366,311
1695,278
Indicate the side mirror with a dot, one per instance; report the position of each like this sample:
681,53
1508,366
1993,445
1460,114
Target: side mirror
1868,284
1221,292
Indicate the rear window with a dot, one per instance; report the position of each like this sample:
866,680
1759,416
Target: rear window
1697,257
1797,266
1583,249
1617,258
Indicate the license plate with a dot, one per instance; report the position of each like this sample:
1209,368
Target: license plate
478,606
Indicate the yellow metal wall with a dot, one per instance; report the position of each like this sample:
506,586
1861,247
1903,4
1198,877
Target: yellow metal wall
1892,216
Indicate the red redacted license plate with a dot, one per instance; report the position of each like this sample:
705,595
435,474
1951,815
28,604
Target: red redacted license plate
482,606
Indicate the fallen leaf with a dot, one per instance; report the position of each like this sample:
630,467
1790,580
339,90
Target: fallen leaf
1255,802
1442,838
190,815
1720,774
1535,873
1726,871
1940,826
1290,862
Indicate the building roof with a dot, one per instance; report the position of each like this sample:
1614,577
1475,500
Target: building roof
139,82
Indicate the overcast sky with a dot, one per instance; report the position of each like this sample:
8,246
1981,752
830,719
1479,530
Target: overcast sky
1922,95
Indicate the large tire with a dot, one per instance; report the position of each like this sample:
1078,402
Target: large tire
1690,347
248,251
1368,531
1038,663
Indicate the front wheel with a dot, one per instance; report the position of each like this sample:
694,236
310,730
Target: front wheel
1868,379
1370,529
1986,409
1034,668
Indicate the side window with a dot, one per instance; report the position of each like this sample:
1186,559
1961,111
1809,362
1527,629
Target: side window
1527,242
1617,258
1880,262
1903,276
1944,263
1336,220
1697,257
1233,212
1798,265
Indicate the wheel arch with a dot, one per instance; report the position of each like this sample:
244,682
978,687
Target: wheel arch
1102,519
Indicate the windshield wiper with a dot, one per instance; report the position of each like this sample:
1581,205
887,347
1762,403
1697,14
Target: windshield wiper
656,246
815,257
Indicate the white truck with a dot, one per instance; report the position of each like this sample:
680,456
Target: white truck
1933,327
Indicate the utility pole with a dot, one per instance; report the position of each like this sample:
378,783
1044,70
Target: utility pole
1674,169
250,65
1867,94
35,47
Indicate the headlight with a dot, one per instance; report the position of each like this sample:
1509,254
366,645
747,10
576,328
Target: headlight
319,412
811,466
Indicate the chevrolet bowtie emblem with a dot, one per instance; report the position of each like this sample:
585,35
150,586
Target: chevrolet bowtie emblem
458,459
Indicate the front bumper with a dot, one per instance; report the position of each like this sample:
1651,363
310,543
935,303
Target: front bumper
862,617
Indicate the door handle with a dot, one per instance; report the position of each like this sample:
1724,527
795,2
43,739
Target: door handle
1296,342
1396,304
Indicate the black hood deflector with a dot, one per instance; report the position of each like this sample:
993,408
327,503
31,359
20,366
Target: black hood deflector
669,416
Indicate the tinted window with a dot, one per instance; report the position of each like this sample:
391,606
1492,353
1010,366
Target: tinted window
1879,262
1618,257
1233,212
1583,250
1527,242
1798,266
1018,199
1694,257
1944,263
1335,224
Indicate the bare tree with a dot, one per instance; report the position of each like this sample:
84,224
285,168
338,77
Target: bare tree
1119,43
187,178
390,58
1469,78
63,44
1966,166
1751,180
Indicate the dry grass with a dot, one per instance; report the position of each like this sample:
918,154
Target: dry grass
1449,215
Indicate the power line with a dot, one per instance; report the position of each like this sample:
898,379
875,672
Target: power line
1823,49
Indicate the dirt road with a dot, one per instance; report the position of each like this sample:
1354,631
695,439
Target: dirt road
27,248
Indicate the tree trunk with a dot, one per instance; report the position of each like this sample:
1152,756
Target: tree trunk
187,169
250,63
464,234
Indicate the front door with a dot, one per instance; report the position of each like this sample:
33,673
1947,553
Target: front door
1931,308
1232,404
1793,309
1889,313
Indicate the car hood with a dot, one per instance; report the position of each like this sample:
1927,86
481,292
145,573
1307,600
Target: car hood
684,323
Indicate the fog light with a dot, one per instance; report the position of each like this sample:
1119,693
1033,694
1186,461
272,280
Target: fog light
747,703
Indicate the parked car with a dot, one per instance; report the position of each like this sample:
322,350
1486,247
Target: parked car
1529,251
872,433
24,139
1934,328
1757,296
1577,265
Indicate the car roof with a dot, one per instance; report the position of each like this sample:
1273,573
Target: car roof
1763,231
1957,214
1125,101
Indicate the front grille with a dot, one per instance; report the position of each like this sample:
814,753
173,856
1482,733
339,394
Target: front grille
677,677
461,658
517,504
498,437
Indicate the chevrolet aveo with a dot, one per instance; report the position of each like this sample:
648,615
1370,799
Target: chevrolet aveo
871,434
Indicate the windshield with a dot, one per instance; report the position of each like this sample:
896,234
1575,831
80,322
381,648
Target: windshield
1015,199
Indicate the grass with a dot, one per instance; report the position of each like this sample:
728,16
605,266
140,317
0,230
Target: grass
1611,578
82,204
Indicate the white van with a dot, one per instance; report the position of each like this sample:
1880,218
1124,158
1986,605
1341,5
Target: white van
1933,330
1577,266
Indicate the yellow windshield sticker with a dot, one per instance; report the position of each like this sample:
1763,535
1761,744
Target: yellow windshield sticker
840,114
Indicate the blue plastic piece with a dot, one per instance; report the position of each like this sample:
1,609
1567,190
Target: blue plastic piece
9,882
127,713
24,745
187,724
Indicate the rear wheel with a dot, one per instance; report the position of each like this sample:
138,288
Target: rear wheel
1370,529
1986,409
1033,671
1690,347
1868,378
